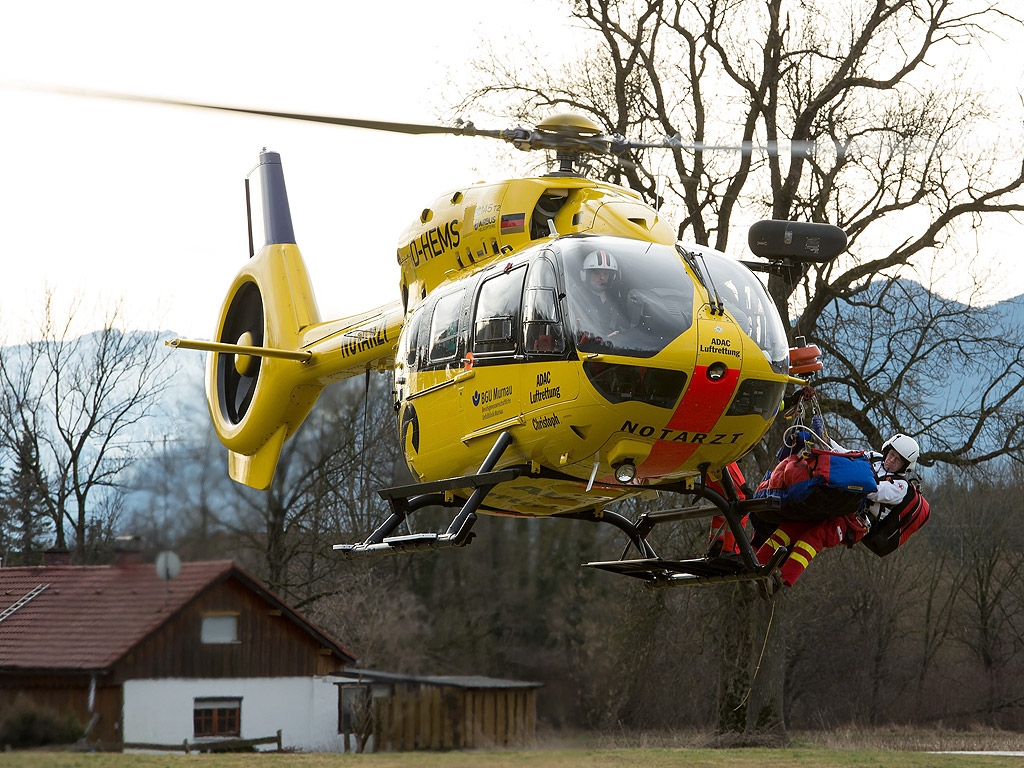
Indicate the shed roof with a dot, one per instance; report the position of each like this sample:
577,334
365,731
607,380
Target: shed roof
454,681
85,618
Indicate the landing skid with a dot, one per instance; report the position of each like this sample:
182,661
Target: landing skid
654,570
660,572
405,500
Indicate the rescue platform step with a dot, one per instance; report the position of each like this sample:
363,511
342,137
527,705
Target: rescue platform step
716,570
656,567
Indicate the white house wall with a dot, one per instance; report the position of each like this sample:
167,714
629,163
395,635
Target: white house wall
304,709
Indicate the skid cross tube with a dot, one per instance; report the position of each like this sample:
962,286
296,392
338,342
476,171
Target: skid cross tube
459,529
732,509
732,517
621,522
478,480
380,542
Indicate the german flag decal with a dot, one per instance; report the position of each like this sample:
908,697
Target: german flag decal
513,223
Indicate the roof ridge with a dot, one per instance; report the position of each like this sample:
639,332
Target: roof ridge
109,566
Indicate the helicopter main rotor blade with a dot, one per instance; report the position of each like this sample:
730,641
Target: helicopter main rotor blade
467,129
546,138
673,142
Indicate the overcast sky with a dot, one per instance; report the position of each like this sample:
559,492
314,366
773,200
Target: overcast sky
111,200
108,199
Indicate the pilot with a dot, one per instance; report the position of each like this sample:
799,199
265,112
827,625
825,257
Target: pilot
598,313
894,511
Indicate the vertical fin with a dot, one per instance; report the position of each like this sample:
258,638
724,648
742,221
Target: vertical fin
277,216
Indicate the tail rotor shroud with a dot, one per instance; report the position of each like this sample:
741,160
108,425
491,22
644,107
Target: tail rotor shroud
237,375
272,355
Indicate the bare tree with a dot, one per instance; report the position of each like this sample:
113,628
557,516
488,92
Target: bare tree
81,401
990,615
324,493
881,144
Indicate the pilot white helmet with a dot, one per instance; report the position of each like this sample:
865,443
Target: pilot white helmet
905,446
599,259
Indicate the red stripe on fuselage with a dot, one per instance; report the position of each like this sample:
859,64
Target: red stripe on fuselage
702,405
666,457
705,401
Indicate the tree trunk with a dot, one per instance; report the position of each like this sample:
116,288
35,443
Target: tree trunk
732,629
751,673
765,715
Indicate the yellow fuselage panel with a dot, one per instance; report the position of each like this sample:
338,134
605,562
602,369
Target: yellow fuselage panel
677,389
465,230
560,420
352,345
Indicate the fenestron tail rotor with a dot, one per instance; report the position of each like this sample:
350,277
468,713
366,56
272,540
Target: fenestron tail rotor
238,374
260,382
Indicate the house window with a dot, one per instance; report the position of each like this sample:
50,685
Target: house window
217,717
219,628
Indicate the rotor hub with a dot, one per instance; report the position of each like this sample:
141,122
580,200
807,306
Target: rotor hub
245,364
569,124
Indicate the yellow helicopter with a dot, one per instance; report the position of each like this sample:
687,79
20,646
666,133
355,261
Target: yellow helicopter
554,351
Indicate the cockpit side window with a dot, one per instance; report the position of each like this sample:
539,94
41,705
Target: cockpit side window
495,327
625,297
750,306
542,327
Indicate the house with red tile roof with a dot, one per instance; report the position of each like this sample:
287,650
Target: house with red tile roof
209,654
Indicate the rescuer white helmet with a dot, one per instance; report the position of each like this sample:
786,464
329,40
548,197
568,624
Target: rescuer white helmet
599,259
905,446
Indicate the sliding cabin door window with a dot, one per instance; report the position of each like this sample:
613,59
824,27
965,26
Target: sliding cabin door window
542,326
444,327
496,321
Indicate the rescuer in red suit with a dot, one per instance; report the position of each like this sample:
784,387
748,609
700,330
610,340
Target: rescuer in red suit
895,511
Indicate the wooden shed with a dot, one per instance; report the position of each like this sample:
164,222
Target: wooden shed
444,712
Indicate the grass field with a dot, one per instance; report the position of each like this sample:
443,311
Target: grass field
849,748
838,748
798,757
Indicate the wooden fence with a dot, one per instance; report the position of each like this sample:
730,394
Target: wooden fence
434,717
223,745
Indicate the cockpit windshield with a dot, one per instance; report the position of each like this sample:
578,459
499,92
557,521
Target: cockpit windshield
750,306
625,297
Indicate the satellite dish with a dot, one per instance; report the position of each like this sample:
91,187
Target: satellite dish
168,565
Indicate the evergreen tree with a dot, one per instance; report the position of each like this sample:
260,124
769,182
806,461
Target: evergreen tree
24,514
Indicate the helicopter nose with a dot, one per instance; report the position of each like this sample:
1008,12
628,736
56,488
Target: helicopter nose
693,424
